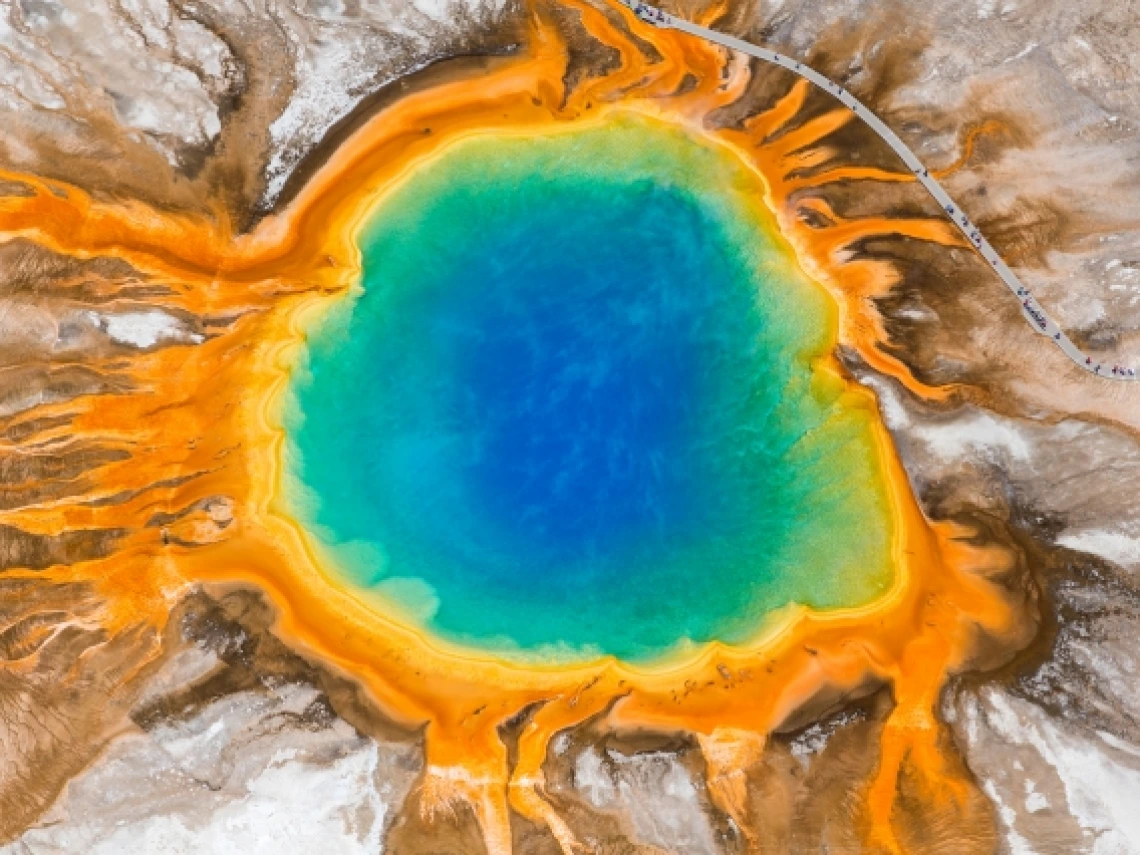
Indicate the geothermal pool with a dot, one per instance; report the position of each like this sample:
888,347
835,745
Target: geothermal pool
575,409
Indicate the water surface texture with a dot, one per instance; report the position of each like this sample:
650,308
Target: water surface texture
572,410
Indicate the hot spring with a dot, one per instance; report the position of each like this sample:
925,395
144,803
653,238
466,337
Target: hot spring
579,406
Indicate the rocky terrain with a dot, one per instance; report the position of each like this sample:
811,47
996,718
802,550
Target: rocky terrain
214,736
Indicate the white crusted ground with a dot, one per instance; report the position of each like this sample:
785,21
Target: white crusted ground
653,792
62,61
344,57
92,78
247,776
143,329
1058,787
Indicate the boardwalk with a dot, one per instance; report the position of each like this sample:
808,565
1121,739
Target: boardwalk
1038,319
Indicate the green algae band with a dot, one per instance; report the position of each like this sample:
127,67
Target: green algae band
572,409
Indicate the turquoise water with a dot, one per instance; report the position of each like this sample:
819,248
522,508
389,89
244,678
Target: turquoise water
571,410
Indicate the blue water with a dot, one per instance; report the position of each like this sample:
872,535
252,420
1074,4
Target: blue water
572,410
